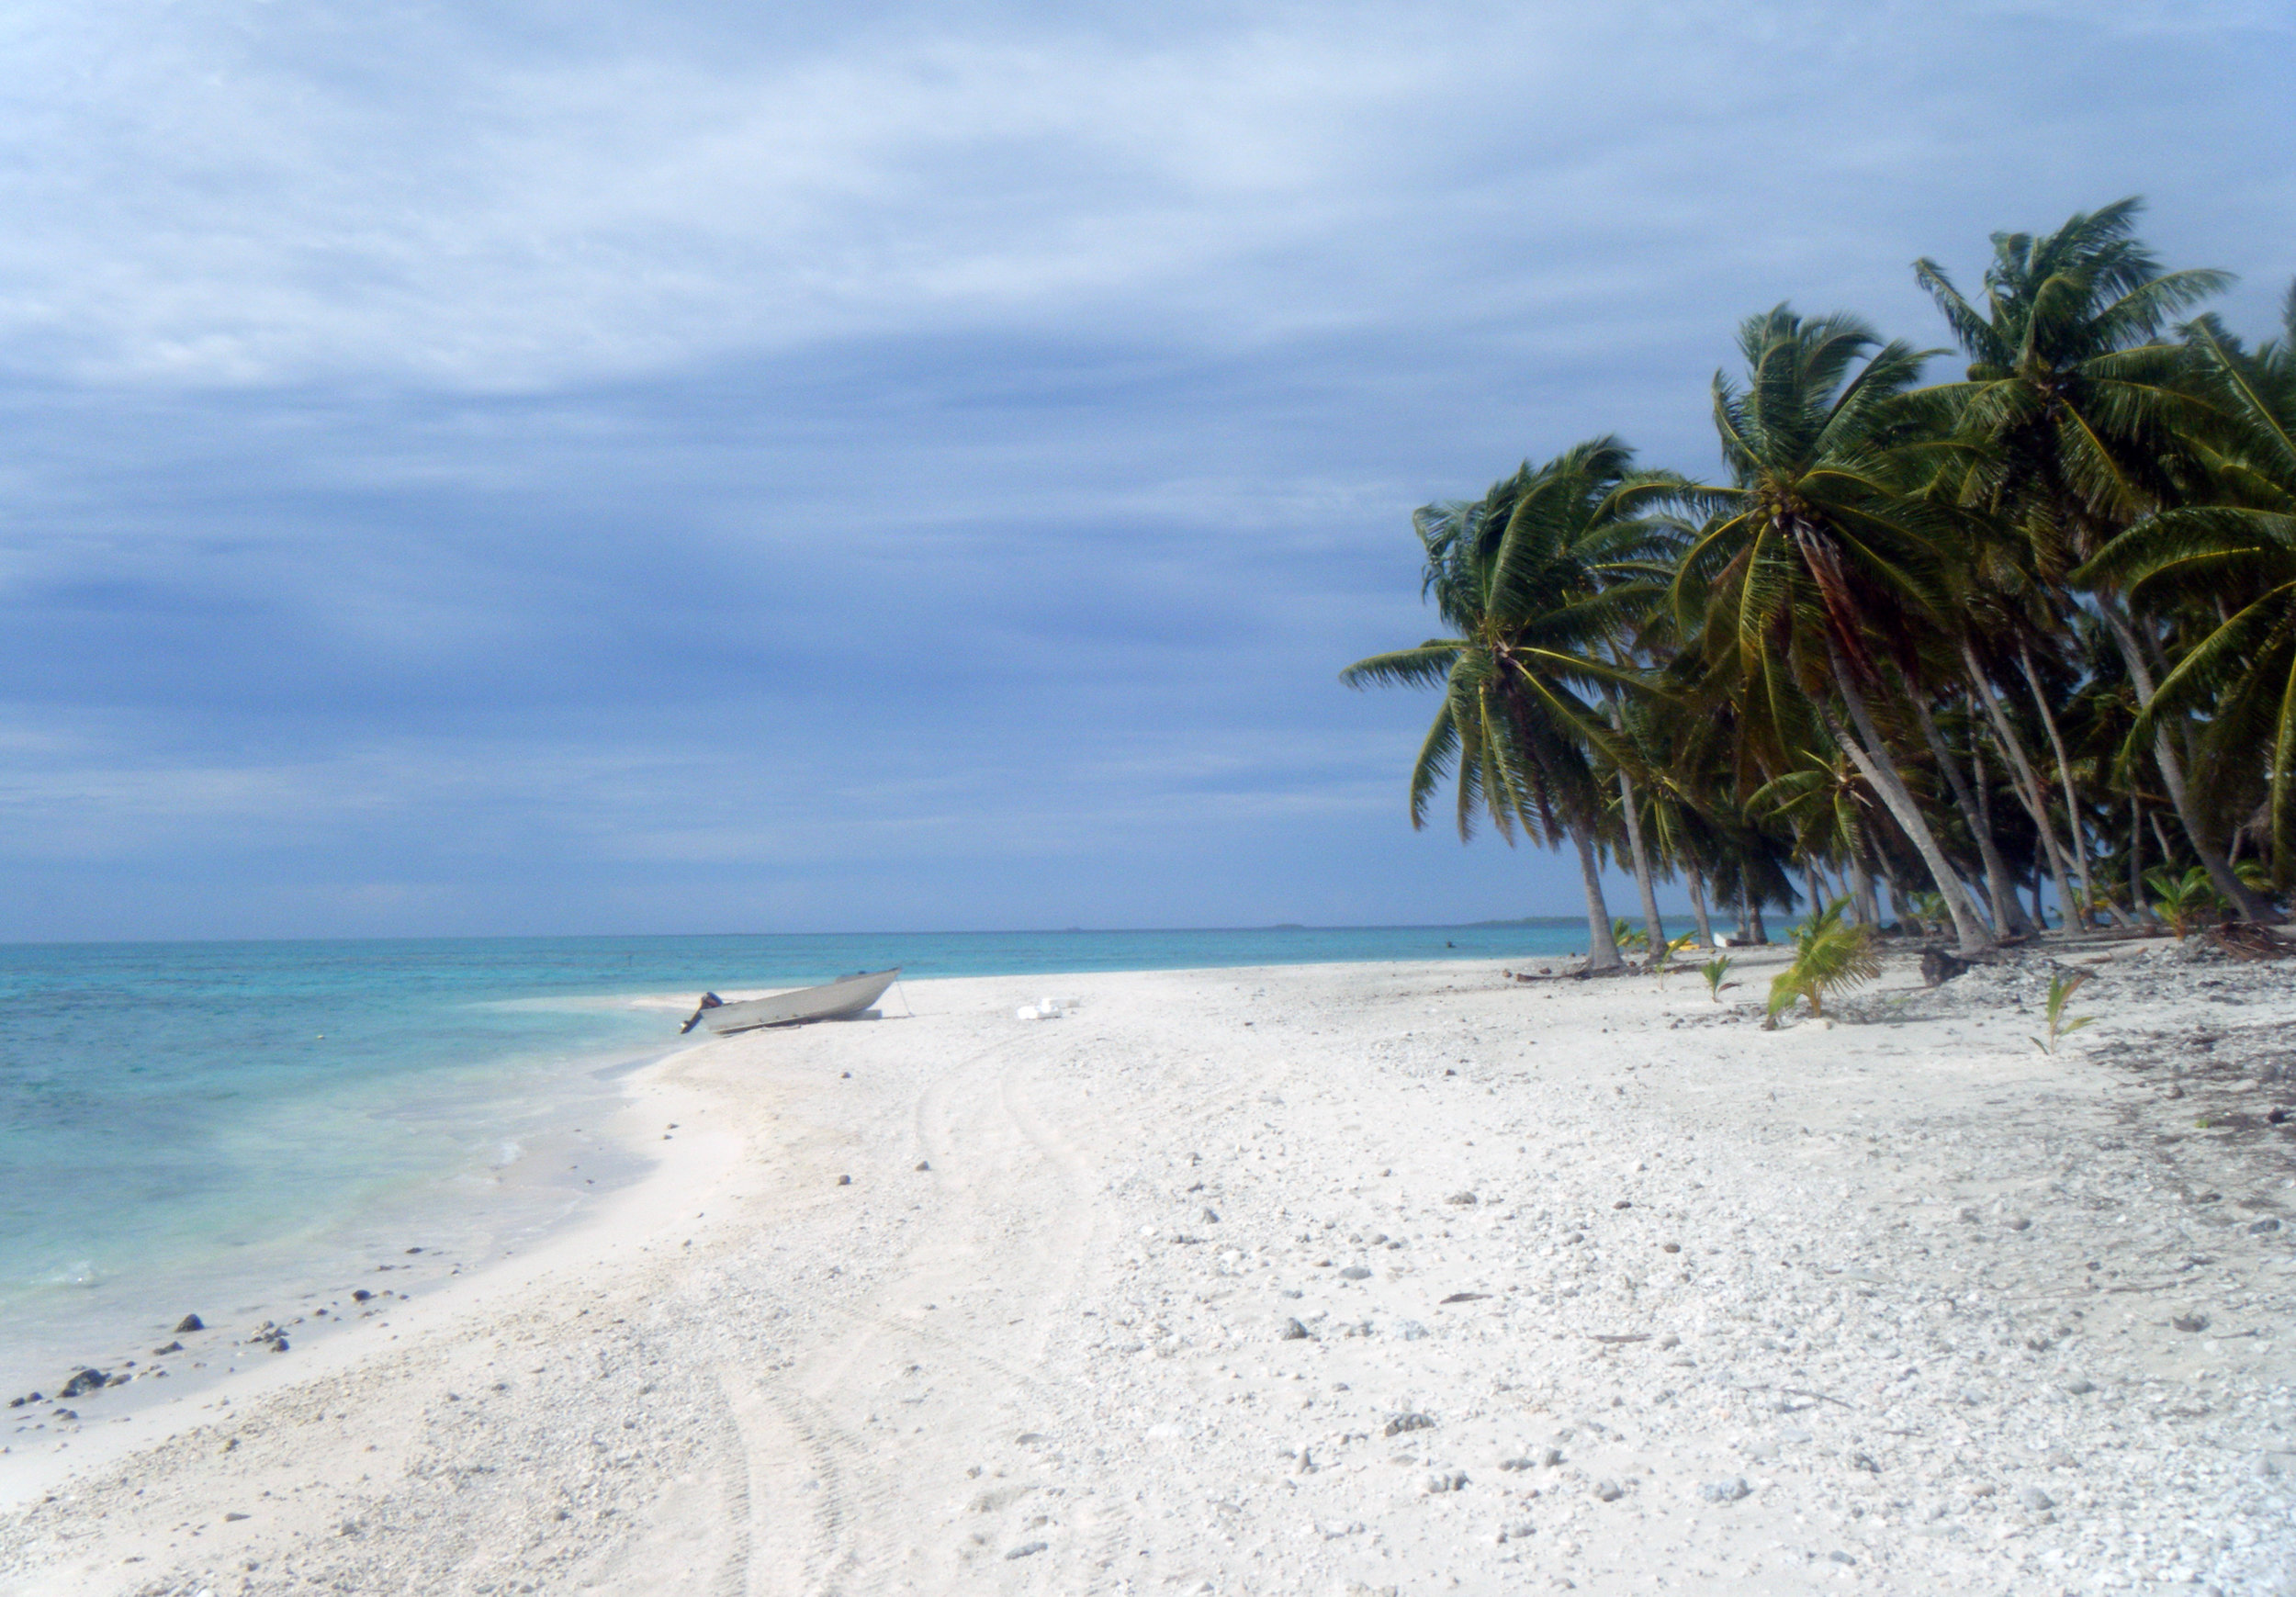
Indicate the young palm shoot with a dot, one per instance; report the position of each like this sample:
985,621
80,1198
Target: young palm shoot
2181,901
2062,988
1715,970
1827,957
1662,961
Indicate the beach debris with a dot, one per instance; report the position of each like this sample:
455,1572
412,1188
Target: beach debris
845,1180
1734,1490
361,1295
1355,1272
29,1398
1608,1492
924,1163
1467,1296
1938,967
171,1347
2242,940
1411,1420
2264,1227
2033,1498
1513,1464
1411,1330
1292,1331
1025,1550
1211,1217
1443,1480
269,1336
235,1517
84,1382
189,1323
1463,1199
2189,1322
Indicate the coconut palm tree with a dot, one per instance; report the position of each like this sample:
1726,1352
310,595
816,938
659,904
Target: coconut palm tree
2233,564
1821,565
2086,418
1540,580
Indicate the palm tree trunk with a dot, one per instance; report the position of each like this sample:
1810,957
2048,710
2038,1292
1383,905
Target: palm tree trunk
1652,926
1697,885
1816,887
2022,780
1602,948
1976,815
1641,857
1872,757
1762,932
2136,862
2073,827
2008,916
1861,893
2252,908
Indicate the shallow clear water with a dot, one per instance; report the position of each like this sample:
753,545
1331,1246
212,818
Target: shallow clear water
230,1128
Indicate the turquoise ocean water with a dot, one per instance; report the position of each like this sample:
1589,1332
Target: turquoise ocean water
236,1128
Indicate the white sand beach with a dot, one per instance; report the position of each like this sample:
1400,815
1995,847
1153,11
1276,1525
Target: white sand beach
1324,1279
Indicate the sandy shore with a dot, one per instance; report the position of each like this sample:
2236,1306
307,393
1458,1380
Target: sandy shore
1324,1279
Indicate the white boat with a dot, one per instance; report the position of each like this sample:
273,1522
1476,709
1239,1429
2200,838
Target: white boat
839,1000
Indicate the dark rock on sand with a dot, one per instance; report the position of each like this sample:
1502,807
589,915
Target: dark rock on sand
189,1323
1410,1421
1292,1331
171,1347
85,1382
1938,967
361,1296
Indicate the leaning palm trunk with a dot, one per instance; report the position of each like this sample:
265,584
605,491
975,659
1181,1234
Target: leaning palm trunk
2136,860
1602,947
1873,758
1975,814
1862,903
1698,907
2073,827
2008,913
1641,858
2023,781
2219,870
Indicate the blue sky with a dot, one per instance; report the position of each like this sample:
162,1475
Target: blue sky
598,468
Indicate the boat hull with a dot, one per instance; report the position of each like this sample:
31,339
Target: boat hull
836,1000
